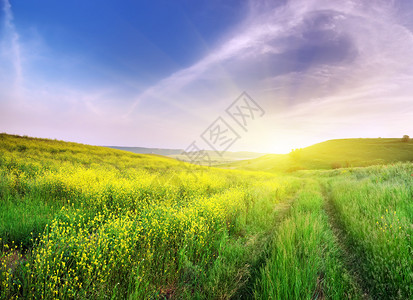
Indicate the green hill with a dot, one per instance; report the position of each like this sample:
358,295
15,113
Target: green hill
30,150
332,154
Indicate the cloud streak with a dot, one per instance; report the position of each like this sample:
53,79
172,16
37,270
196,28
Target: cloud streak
306,37
305,52
11,48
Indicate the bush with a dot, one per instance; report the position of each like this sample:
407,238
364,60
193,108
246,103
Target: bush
405,138
295,154
21,148
335,165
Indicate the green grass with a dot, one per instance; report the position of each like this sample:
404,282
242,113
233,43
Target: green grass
375,210
23,218
84,222
88,222
305,262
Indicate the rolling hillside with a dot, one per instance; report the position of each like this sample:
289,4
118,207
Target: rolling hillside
332,154
115,224
87,222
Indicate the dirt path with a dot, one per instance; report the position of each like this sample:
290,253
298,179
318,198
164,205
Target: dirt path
282,210
349,259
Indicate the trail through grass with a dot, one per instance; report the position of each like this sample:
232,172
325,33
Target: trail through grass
373,210
305,262
349,258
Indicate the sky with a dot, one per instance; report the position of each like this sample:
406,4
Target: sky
161,73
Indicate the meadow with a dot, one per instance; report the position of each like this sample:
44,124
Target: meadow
85,222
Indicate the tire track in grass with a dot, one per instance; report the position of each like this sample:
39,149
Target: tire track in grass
349,258
305,261
282,210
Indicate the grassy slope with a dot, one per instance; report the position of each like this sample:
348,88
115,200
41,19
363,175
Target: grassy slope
217,223
54,150
25,158
333,154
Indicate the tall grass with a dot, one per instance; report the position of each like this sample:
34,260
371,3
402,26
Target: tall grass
145,227
375,209
305,262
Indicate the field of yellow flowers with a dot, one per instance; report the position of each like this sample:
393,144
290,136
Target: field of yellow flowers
84,222
88,222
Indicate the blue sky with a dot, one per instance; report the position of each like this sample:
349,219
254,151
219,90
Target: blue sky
158,73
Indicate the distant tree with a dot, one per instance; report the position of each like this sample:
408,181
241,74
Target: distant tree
295,154
405,138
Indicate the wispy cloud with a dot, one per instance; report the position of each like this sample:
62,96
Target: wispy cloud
10,45
329,53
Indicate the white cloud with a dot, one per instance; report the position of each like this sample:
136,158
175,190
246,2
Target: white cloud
377,41
10,49
375,66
